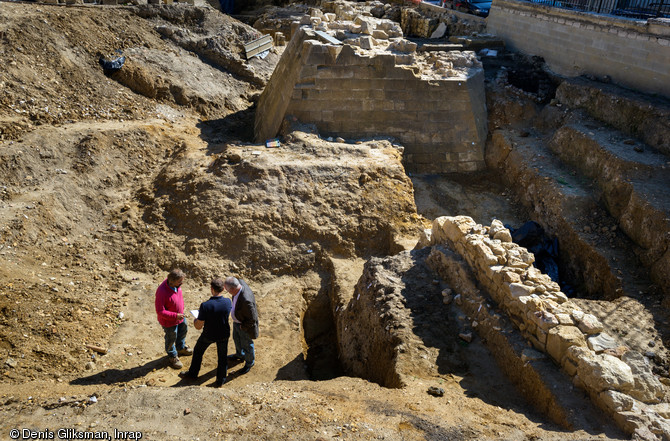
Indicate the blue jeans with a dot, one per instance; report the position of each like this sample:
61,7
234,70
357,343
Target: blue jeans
175,338
244,345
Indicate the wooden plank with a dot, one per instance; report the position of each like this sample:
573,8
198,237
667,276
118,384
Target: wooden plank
257,46
328,38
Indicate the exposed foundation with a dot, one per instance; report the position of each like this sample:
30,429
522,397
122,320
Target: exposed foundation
433,104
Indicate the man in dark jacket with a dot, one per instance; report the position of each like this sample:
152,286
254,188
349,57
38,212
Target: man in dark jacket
213,316
245,322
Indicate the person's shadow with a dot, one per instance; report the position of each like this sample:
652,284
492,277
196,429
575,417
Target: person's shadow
111,376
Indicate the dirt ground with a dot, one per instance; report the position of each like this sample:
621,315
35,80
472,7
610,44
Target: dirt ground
108,181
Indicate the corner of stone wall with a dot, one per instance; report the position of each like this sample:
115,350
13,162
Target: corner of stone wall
618,380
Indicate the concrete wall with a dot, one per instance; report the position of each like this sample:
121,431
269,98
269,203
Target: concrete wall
440,122
635,54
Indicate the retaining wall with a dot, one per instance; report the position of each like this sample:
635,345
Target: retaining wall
633,53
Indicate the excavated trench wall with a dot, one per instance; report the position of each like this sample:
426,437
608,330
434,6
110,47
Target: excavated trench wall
622,384
356,94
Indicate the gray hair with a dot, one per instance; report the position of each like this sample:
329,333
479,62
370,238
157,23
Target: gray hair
232,282
175,274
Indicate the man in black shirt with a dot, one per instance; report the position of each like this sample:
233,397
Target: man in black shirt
213,316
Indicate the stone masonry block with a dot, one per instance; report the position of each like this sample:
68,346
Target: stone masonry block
453,229
605,372
560,338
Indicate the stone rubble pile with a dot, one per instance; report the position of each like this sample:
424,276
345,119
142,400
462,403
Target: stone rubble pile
619,380
358,29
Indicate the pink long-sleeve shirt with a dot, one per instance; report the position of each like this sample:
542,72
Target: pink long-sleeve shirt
168,304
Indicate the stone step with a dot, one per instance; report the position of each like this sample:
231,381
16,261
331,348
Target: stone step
592,247
632,179
644,117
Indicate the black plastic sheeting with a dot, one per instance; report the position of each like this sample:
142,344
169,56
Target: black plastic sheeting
532,236
111,66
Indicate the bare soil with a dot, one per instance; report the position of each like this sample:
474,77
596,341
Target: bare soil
108,181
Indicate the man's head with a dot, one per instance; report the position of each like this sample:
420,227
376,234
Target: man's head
232,285
175,278
217,286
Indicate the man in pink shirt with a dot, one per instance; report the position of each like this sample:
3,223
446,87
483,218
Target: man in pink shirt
170,312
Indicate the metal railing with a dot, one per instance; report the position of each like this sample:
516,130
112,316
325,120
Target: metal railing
637,9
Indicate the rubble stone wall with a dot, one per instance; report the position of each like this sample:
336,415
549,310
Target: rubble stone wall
423,20
357,94
633,53
618,380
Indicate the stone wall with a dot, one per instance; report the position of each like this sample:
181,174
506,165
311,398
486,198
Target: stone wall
424,20
632,53
377,85
618,380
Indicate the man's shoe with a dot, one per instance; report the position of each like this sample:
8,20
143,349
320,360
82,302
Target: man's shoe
245,369
235,357
175,363
220,383
185,351
187,375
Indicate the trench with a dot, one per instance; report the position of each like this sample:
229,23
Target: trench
319,335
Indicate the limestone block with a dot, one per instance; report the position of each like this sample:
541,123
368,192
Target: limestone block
569,366
315,13
575,353
544,320
601,342
517,306
648,388
602,372
537,344
511,277
560,338
590,325
366,42
564,319
517,259
484,255
577,315
425,239
662,409
330,17
453,229
517,290
496,226
538,276
378,34
503,236
615,401
315,21
495,246
367,28
559,297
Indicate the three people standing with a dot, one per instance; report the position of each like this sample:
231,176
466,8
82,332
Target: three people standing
213,317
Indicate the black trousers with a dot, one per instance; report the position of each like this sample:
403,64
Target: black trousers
222,354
